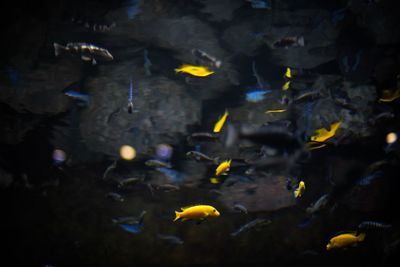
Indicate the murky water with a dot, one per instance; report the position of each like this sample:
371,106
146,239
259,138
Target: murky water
307,67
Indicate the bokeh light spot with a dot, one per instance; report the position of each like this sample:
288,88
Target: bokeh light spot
127,152
391,138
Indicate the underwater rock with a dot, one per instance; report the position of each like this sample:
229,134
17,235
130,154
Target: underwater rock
164,110
340,100
317,34
40,90
220,10
180,34
265,194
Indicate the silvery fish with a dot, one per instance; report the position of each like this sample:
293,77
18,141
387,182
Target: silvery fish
254,223
87,52
318,205
171,239
115,196
201,156
373,225
157,163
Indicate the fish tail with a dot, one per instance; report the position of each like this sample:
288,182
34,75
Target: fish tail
216,160
300,41
361,237
296,193
57,48
177,215
178,70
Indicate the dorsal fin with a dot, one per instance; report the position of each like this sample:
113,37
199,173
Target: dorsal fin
346,232
186,207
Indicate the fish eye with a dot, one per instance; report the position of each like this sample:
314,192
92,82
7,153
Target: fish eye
214,210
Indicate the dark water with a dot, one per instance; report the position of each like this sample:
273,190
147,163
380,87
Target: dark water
58,213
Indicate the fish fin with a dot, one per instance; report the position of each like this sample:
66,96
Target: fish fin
177,215
300,41
361,237
185,208
57,48
85,58
94,62
184,219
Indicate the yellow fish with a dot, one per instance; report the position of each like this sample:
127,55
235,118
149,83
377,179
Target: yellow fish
300,190
286,86
196,212
345,240
275,110
390,95
322,134
198,71
288,73
220,123
223,167
214,180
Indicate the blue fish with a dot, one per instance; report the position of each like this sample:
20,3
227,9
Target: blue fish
369,178
175,176
133,9
256,95
131,228
130,98
80,96
265,4
147,63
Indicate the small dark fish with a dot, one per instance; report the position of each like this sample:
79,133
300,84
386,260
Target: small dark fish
168,187
373,225
200,156
273,136
171,239
115,196
307,95
109,168
240,208
287,42
157,163
130,180
216,191
130,219
364,181
88,52
383,115
206,57
204,137
147,63
173,175
254,223
318,205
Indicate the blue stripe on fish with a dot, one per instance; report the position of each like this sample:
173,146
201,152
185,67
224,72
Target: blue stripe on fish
131,228
77,95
